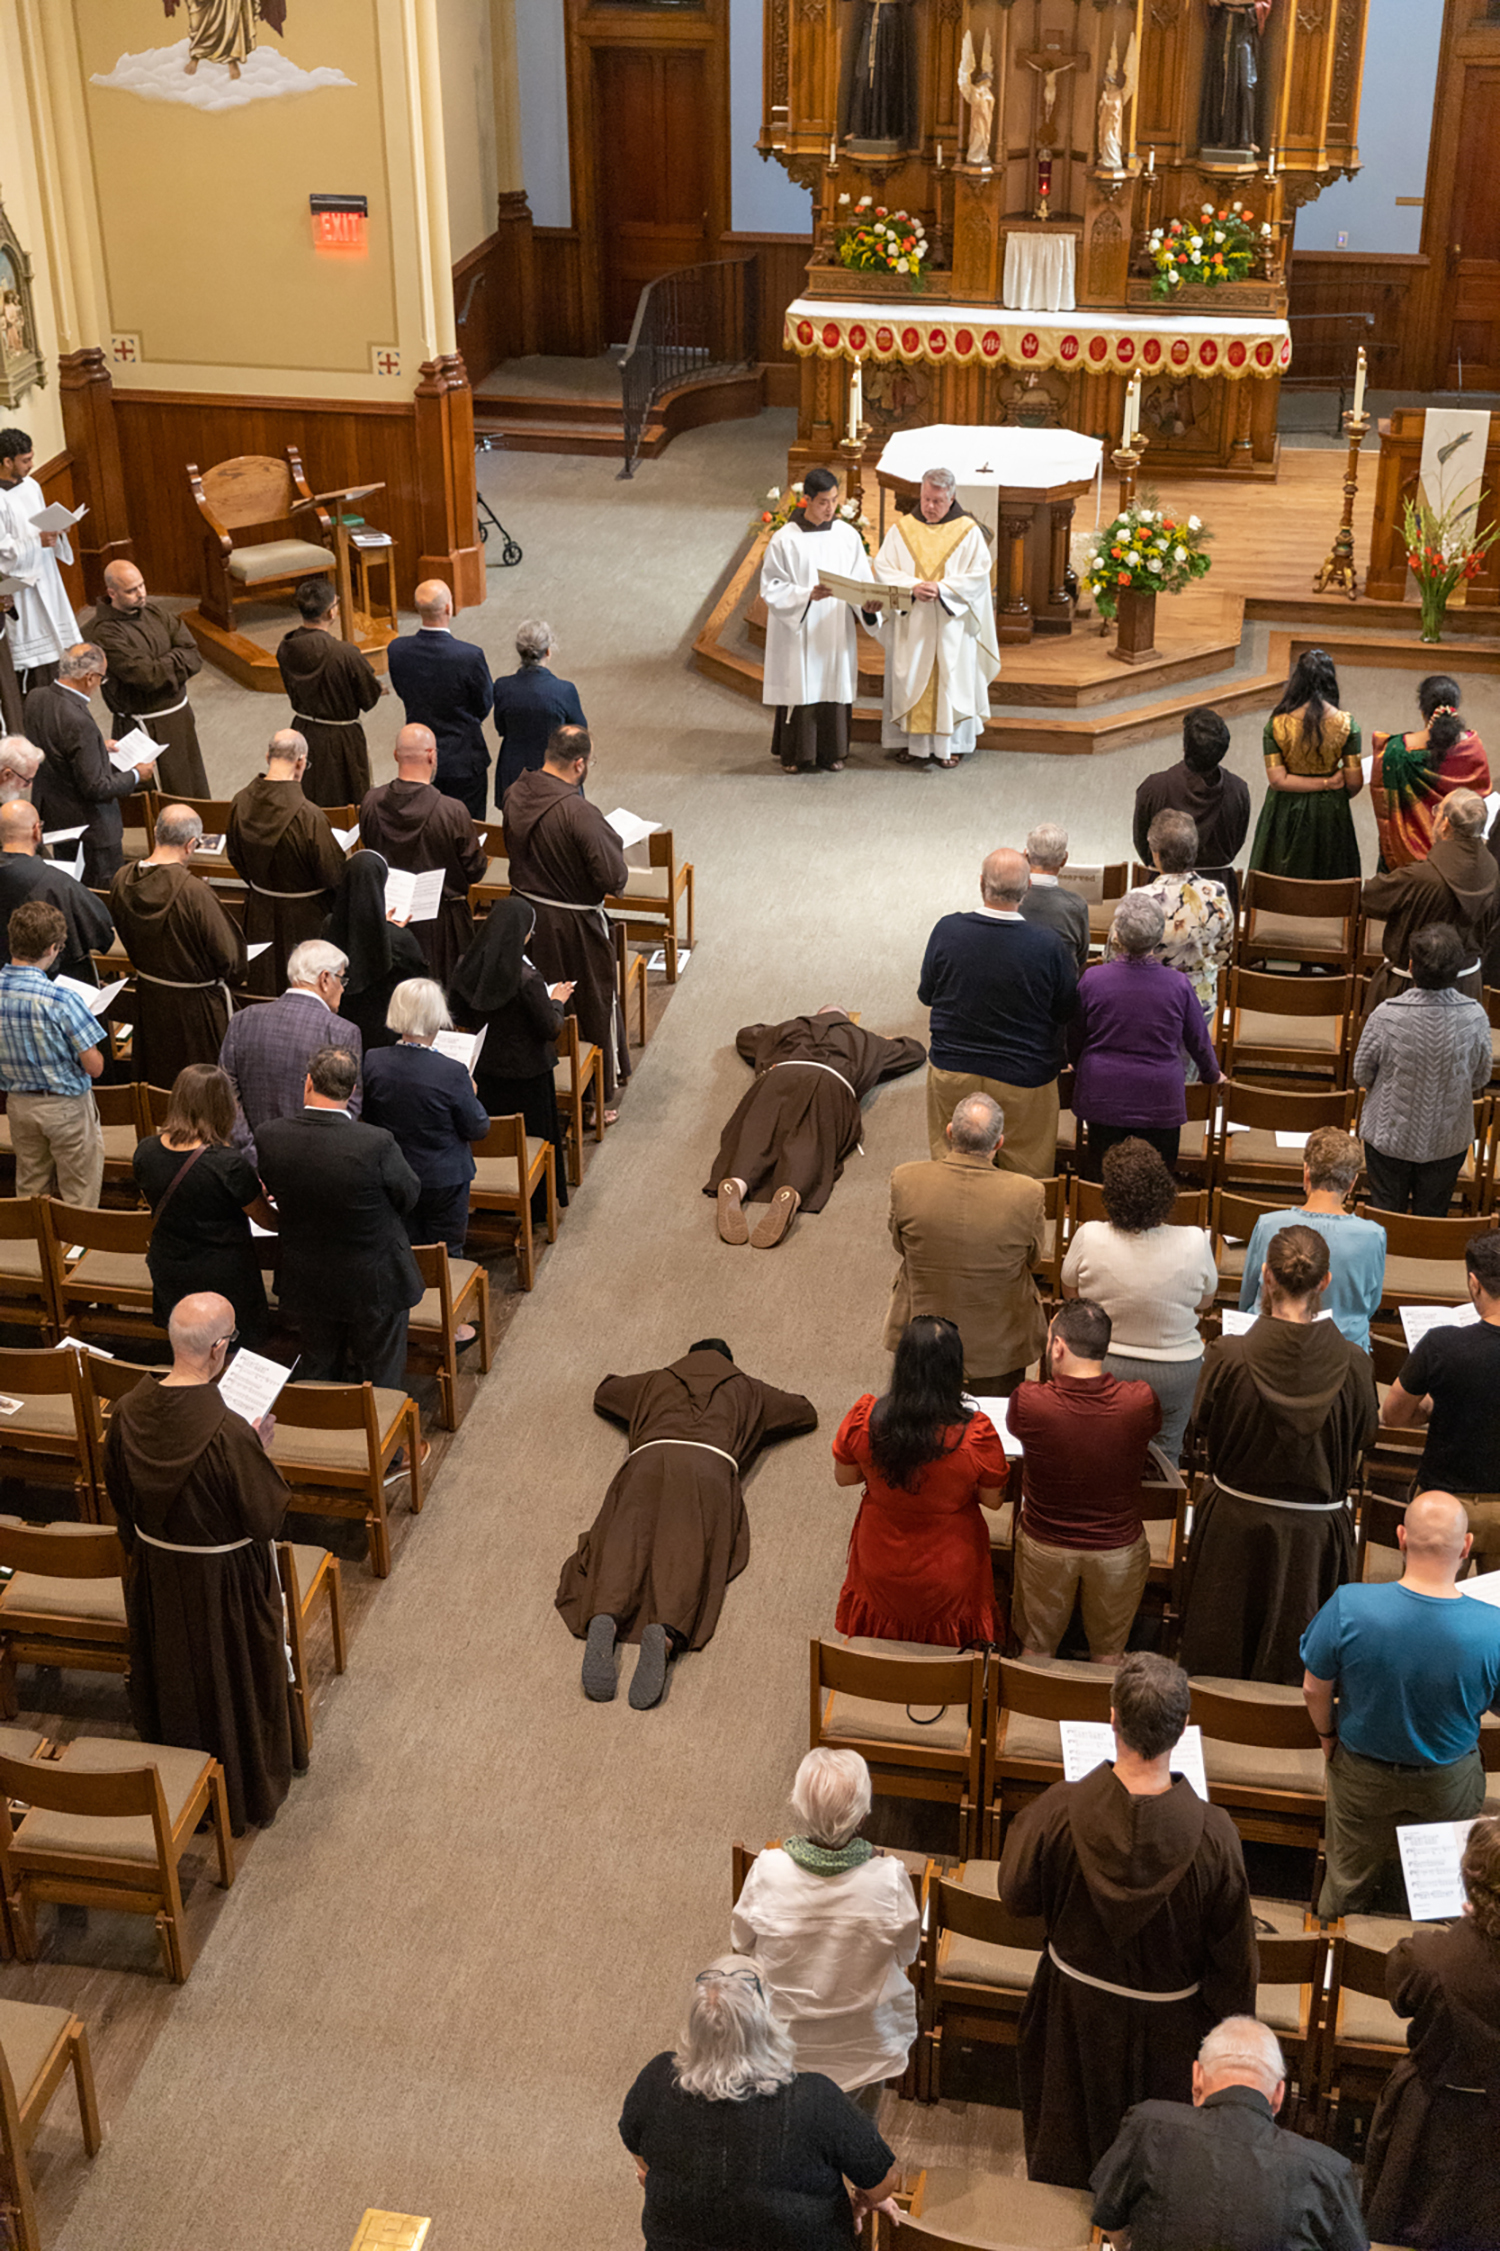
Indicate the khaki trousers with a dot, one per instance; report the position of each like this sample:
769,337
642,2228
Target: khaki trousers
1367,1802
1112,1581
1030,1144
59,1145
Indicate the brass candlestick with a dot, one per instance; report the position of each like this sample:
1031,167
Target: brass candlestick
1127,460
1338,566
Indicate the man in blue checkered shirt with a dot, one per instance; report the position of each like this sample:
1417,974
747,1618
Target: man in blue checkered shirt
49,1052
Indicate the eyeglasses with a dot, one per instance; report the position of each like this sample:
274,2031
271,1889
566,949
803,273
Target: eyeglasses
338,976
724,1977
232,1338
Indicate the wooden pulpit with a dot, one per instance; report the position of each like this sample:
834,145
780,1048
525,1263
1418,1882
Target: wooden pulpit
1395,484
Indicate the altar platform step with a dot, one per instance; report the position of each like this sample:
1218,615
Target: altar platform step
548,405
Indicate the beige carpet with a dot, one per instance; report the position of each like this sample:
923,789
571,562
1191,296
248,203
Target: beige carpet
479,1914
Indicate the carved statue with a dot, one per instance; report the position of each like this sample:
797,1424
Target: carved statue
882,92
1118,89
977,88
1228,112
1049,73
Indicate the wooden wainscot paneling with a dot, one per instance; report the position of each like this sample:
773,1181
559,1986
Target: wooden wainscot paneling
59,480
494,292
88,406
781,275
557,265
1340,299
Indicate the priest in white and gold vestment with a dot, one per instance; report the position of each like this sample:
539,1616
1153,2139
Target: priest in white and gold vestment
942,656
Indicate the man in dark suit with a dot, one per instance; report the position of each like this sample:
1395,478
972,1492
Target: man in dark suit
528,705
77,784
342,1189
24,876
1046,900
445,684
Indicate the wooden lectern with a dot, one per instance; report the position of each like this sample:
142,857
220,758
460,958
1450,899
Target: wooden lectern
1396,483
367,633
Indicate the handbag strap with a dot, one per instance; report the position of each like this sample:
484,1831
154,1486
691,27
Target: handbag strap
178,1178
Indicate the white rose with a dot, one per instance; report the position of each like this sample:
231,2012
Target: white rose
796,488
843,199
1206,209
1218,235
1266,227
1176,281
774,493
1236,207
1153,565
903,265
1144,516
1179,554
1195,523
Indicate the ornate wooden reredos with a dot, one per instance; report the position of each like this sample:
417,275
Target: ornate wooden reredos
1109,117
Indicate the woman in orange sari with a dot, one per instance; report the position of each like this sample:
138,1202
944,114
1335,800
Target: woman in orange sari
1413,773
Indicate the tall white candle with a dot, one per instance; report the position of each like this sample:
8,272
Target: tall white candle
1127,430
1271,163
1359,384
1151,164
940,156
856,402
833,149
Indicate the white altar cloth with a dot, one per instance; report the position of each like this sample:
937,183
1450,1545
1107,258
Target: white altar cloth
1039,265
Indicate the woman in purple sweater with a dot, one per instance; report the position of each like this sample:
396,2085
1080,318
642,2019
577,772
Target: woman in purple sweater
1135,1018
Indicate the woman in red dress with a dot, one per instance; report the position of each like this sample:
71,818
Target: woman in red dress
919,1554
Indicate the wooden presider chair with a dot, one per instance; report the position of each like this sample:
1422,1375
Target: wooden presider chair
253,491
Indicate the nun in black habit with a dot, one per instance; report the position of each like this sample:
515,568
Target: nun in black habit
381,953
496,990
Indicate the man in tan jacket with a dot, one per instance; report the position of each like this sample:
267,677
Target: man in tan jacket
967,1234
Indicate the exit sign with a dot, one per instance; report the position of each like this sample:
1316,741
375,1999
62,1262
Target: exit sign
339,222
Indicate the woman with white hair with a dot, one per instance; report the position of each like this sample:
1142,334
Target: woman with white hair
735,2147
832,1926
529,704
427,1101
1135,1018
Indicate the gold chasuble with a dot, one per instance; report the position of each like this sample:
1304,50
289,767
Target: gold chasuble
931,545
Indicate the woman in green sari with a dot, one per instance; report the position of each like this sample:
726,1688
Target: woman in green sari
1312,753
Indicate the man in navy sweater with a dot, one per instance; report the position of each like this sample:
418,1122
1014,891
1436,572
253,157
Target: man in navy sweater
1000,989
445,684
529,704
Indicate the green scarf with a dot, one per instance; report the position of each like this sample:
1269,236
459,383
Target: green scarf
827,1860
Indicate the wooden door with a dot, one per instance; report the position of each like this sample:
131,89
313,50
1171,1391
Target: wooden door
653,114
1471,327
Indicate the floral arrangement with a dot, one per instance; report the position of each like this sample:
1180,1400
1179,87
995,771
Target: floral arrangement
1149,550
1217,246
1442,552
875,239
780,509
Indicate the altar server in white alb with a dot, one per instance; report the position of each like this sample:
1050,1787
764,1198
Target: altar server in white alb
41,624
812,662
941,657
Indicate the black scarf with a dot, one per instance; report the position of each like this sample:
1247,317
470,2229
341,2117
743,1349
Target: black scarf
489,975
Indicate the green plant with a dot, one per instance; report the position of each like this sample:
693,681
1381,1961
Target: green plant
1441,552
873,239
1147,550
1216,247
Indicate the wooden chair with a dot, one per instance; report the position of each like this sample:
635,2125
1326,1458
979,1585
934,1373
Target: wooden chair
1086,1202
981,1961
1101,888
107,1291
956,2208
580,1065
118,1020
45,1440
103,1382
39,2047
1262,1759
1195,1142
1232,1226
1048,1268
214,813
1424,1258
1288,920
1302,1026
120,1117
26,1298
870,1695
650,903
255,491
1365,2039
309,1576
630,970
1027,1758
1289,1998
64,1604
1492,1011
455,1290
1067,1124
1377,1556
138,822
335,1442
107,1824
1253,1159
508,1169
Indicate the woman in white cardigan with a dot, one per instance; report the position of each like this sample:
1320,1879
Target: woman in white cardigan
833,1925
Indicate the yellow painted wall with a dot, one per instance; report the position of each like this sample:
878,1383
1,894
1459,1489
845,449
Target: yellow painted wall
40,412
468,73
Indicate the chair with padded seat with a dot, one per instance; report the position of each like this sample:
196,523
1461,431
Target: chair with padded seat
1289,1030
863,1698
1232,1225
309,1576
335,1443
1378,1558
255,491
107,1823
107,1289
1286,919
1086,1202
1253,1161
1365,2039
26,1299
1027,1758
653,899
39,2048
1068,1128
1262,1759
956,2208
455,1290
1048,1266
1391,1458
1101,887
509,1167
578,1072
630,976
64,1602
45,1424
1424,1258
981,1959
1293,1951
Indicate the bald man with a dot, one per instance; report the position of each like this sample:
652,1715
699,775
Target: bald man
185,951
1000,989
416,826
286,852
1398,1678
445,684
331,685
152,656
25,875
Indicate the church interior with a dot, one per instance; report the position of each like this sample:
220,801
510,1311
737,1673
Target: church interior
558,302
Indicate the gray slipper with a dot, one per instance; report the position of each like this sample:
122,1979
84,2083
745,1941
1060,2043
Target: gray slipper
650,1676
599,1681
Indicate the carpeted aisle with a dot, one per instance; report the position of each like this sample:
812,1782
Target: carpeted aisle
479,1913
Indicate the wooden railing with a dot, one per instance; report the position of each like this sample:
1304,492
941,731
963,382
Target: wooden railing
700,320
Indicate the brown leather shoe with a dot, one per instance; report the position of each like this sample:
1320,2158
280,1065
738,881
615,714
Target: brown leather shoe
780,1213
733,1226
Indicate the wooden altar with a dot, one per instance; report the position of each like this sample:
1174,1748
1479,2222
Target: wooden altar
1098,116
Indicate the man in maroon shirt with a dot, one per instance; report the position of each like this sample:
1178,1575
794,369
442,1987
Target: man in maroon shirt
1085,1436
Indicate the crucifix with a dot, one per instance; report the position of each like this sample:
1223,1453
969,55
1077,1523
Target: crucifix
1051,67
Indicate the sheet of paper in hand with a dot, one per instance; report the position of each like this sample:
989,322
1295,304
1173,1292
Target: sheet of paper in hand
1416,1320
995,1409
58,518
462,1046
1090,1743
861,594
346,838
413,898
96,997
1430,1855
251,1385
633,832
133,749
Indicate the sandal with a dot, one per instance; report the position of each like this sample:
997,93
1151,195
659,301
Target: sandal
733,1226
780,1213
